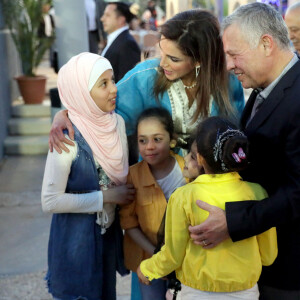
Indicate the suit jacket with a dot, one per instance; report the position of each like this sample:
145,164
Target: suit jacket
124,53
274,136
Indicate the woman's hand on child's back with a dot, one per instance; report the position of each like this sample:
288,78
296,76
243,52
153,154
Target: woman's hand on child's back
122,194
57,139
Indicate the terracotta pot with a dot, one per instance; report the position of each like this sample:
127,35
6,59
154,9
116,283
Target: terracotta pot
32,89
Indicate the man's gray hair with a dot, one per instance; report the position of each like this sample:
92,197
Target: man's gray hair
255,20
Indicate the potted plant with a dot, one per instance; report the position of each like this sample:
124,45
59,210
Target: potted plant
24,18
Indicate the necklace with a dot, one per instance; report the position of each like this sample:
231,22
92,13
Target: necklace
190,86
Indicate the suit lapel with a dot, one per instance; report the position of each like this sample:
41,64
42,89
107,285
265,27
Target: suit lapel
115,43
266,108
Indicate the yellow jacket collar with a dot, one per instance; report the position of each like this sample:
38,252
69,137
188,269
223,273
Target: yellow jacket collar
207,178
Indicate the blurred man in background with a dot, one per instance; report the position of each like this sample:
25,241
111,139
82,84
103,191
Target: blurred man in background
121,50
292,20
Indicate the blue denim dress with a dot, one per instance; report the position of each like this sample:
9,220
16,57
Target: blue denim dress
82,262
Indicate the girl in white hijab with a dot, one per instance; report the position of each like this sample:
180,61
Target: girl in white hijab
83,186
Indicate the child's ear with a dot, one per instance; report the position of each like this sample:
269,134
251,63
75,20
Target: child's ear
173,143
200,159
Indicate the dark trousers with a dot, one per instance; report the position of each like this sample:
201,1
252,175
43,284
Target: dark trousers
93,41
270,293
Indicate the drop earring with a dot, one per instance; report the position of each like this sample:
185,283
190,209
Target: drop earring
173,144
197,70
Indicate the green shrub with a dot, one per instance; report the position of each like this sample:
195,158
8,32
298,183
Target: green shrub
23,18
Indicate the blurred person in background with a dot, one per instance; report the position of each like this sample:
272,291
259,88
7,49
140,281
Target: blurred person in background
94,10
121,50
292,20
153,15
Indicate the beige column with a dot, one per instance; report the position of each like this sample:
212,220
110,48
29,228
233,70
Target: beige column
175,6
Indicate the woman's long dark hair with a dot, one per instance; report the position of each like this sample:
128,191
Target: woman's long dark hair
197,34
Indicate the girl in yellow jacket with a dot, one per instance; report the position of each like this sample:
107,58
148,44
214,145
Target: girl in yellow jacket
230,270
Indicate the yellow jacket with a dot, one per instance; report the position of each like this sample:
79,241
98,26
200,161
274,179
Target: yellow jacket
146,211
229,266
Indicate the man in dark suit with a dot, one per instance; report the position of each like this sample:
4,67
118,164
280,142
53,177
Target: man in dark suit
121,50
258,51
